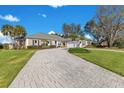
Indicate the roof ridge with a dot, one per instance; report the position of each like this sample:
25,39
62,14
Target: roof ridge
46,36
38,33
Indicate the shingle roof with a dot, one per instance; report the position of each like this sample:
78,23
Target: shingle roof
46,37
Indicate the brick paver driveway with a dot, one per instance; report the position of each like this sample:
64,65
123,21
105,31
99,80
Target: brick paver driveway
57,68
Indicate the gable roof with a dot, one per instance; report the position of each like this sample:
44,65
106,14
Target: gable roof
45,37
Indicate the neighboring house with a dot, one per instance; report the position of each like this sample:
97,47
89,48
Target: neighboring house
44,39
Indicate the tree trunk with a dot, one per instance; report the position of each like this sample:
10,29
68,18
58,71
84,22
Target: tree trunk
110,43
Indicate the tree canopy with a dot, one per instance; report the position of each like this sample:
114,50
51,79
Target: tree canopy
71,30
14,31
108,22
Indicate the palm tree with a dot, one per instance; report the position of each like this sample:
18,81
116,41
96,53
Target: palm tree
19,34
7,30
20,31
16,33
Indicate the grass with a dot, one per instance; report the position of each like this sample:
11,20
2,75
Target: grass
110,60
11,62
78,50
90,46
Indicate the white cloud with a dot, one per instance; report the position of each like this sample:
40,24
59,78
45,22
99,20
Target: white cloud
10,18
51,33
56,6
44,15
5,39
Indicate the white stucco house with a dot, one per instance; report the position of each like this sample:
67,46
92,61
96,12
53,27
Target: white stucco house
53,40
44,39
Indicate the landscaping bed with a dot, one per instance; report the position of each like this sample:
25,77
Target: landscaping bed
110,60
41,47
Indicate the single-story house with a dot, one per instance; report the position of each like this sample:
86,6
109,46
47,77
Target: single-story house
44,39
41,39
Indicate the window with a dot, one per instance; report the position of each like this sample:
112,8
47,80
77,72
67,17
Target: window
35,41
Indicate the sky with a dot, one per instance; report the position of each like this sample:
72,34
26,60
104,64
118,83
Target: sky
43,18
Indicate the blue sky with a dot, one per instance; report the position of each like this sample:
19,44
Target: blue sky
45,18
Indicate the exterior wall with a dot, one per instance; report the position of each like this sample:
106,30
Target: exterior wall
41,42
10,46
73,44
29,42
56,43
33,42
59,43
84,43
70,44
36,42
53,42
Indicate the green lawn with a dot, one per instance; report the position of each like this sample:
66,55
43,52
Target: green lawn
110,60
11,62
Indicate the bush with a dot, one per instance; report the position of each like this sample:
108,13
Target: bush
5,46
34,47
1,46
78,50
52,46
119,43
90,46
41,47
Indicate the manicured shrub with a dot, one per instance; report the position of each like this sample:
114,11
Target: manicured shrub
52,46
41,47
78,50
34,47
45,47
